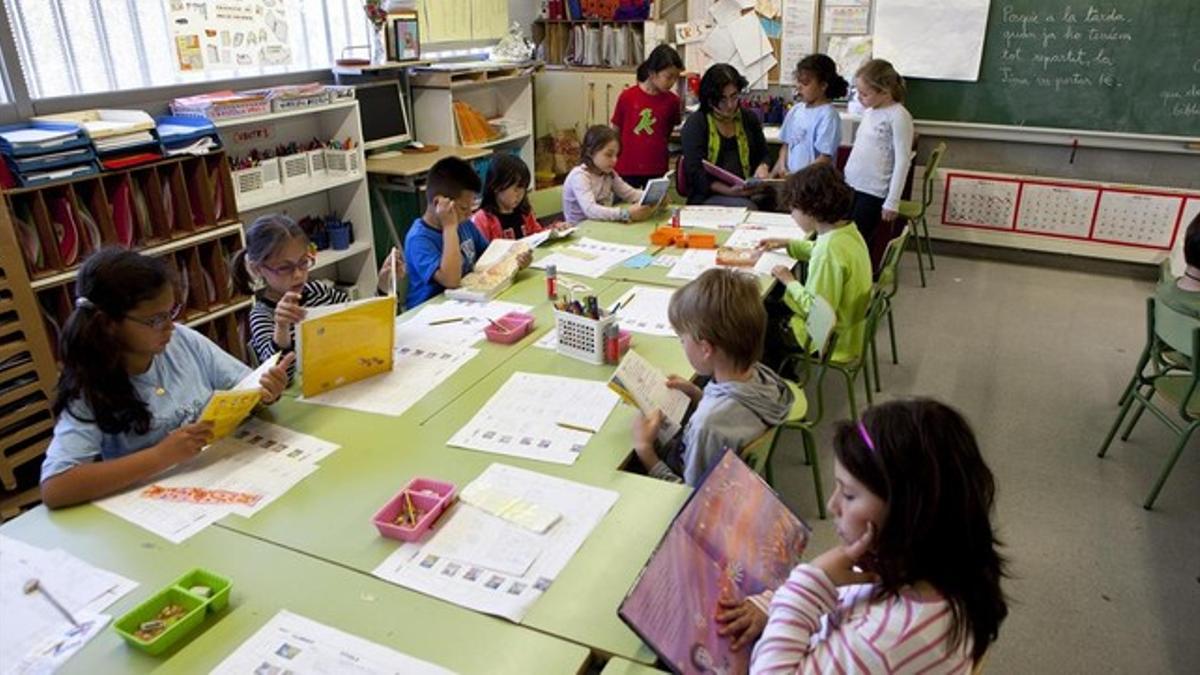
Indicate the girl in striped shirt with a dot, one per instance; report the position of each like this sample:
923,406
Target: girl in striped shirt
274,266
914,587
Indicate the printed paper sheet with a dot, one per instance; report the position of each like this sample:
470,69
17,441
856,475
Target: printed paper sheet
542,417
35,637
588,257
643,309
711,217
290,643
952,52
465,581
215,34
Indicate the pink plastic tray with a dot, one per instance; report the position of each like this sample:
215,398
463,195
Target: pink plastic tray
430,497
518,325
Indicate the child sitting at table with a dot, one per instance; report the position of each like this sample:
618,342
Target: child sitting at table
839,265
505,212
720,320
590,187
133,381
443,244
914,585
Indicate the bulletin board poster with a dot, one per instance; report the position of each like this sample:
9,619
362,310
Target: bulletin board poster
219,34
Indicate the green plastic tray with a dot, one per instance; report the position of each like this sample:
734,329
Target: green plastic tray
177,593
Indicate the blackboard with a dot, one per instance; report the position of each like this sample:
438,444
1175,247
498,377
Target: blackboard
1130,66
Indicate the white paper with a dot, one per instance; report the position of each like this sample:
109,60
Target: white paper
981,202
465,328
524,418
849,52
748,37
799,30
582,507
1058,209
481,539
290,643
904,35
695,262
719,45
31,623
418,367
749,236
846,20
712,217
527,514
769,219
725,12
757,73
589,257
1134,218
260,459
647,311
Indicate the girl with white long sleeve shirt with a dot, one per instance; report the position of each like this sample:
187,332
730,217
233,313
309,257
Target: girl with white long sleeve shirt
590,188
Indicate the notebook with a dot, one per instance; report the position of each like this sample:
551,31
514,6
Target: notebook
733,537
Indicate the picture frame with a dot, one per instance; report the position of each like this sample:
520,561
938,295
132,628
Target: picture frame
403,36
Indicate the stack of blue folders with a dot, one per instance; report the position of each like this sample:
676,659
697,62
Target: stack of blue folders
40,152
187,135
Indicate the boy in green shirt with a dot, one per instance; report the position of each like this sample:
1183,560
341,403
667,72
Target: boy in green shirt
839,265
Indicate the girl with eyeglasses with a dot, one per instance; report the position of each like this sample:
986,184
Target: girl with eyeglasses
274,267
133,382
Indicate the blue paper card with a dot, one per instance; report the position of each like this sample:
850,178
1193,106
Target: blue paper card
639,261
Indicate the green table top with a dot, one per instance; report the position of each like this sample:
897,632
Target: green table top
267,578
619,666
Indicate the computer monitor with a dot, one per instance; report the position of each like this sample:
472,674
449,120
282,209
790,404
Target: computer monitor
384,114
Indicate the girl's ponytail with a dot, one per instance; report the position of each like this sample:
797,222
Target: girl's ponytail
111,282
242,281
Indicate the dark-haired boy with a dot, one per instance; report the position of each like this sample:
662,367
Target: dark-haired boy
443,244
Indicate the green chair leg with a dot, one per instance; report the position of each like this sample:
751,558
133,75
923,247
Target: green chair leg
1116,425
867,386
850,394
875,365
920,260
1137,414
1162,477
892,336
810,451
928,245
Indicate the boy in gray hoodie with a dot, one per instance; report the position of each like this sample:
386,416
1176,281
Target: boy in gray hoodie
721,322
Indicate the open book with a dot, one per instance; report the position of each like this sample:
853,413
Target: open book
734,537
734,180
229,408
656,190
494,271
639,383
340,344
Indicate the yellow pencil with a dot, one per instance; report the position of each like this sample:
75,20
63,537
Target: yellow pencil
412,513
573,427
443,321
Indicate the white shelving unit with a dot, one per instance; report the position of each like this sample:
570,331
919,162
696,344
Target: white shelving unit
344,196
493,90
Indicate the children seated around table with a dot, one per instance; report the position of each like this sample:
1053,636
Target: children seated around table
443,244
720,320
133,381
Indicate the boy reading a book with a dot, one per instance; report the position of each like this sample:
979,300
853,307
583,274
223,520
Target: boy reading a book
721,322
443,244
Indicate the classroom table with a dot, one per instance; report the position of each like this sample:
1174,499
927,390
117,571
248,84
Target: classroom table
619,666
376,459
399,164
267,578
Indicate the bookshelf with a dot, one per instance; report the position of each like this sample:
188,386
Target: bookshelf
617,44
494,91
181,209
342,194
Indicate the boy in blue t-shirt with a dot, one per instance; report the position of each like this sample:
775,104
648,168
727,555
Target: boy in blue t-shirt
438,254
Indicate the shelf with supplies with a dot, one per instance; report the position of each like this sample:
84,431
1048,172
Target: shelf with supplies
483,107
590,42
307,163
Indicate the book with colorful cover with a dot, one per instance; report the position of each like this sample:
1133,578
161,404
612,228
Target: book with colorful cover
735,538
340,344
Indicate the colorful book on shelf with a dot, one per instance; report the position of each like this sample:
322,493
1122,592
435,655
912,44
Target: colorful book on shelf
227,409
340,344
66,232
734,538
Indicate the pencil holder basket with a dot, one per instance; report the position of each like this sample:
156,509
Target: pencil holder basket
341,162
293,168
581,337
316,163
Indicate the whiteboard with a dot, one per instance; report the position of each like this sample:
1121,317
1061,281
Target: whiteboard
935,39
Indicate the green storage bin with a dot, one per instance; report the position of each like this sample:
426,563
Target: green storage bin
127,625
219,586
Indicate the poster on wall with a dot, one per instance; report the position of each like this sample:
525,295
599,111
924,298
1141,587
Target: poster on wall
215,34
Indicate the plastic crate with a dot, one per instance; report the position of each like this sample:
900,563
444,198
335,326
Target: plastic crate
248,181
196,608
286,103
338,93
341,162
294,168
430,497
581,337
316,163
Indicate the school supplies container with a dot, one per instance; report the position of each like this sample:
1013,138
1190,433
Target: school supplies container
582,337
511,328
176,611
412,512
669,235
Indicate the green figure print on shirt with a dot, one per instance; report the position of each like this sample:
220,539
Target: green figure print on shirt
646,124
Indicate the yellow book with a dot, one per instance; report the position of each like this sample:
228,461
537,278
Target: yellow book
340,344
228,408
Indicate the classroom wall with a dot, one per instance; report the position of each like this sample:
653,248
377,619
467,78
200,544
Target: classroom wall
523,12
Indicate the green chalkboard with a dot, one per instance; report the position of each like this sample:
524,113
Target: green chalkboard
1131,66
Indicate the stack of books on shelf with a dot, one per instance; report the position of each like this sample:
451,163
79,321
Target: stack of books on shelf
40,152
122,138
